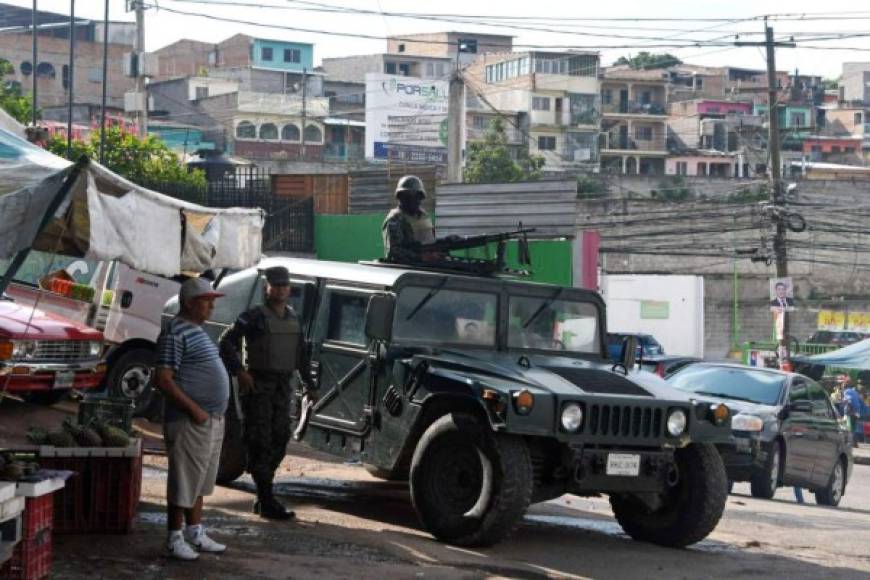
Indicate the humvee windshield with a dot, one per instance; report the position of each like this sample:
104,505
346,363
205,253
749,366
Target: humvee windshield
470,318
446,316
542,323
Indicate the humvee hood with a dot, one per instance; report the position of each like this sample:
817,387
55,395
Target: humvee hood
559,375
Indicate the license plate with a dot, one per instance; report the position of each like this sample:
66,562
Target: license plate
64,379
627,464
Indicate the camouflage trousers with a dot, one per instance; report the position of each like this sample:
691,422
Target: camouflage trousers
267,424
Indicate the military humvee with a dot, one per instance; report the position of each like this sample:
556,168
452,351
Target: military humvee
488,394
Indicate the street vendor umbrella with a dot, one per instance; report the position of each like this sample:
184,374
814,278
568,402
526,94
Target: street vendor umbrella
855,356
85,210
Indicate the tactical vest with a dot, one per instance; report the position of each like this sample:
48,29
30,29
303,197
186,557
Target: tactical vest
277,347
416,228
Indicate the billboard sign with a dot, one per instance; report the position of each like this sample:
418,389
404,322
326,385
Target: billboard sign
406,118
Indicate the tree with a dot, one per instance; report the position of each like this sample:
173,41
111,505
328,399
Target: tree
19,106
490,161
142,160
647,60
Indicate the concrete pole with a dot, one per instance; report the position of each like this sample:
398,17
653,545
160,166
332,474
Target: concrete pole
141,88
304,110
105,74
455,126
34,27
71,77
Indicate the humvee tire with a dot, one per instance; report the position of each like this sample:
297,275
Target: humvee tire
690,510
469,486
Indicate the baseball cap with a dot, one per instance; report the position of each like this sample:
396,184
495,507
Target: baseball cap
278,275
197,288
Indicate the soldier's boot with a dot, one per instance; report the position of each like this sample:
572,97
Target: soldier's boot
267,506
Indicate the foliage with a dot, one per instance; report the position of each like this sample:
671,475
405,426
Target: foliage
490,161
749,195
647,60
672,188
141,160
831,84
589,187
19,106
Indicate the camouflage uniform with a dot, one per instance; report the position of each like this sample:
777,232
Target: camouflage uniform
274,348
404,233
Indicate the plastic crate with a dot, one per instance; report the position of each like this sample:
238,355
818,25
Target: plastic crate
31,559
112,411
38,515
103,495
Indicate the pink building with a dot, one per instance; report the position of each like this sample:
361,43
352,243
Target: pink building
705,164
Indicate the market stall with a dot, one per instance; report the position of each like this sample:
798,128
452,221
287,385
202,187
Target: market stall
92,463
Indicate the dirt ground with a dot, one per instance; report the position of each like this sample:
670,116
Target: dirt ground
350,525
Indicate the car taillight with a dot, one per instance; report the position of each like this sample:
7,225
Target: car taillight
660,370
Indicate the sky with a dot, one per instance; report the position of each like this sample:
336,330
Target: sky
590,25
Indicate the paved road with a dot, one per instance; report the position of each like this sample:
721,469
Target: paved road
351,526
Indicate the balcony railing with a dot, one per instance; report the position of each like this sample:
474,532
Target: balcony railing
634,108
629,144
343,152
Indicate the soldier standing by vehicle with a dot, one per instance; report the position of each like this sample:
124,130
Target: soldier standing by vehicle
408,225
274,348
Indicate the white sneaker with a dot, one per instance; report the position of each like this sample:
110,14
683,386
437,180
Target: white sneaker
203,543
179,549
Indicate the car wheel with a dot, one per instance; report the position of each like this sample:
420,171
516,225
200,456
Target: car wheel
470,486
730,486
45,398
764,483
689,510
131,377
833,492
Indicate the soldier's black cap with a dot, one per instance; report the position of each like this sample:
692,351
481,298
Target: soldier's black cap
278,276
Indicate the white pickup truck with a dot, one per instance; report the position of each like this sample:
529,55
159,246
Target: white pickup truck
126,307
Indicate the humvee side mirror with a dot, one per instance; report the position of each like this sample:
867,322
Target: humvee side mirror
379,317
629,352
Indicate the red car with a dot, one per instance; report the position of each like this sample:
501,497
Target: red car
43,356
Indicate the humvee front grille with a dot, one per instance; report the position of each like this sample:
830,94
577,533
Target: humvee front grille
624,421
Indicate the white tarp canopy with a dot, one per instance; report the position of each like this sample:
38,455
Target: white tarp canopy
106,217
855,356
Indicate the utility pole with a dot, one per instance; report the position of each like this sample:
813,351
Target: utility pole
71,77
105,73
35,27
455,123
777,195
141,88
304,109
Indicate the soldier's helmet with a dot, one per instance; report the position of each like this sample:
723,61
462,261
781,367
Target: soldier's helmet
410,184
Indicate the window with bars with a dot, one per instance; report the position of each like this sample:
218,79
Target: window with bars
546,143
292,55
540,103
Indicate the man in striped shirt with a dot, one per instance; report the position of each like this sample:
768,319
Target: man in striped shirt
193,379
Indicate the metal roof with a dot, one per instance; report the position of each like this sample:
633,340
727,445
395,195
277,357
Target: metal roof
467,209
377,275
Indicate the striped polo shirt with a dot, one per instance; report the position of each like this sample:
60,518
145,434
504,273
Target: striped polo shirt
186,348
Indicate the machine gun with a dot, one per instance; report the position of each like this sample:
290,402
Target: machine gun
437,254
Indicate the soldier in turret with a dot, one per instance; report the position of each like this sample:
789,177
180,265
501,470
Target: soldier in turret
408,226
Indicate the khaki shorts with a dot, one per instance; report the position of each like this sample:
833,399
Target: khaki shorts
194,452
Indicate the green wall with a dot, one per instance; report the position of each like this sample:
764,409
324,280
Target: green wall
351,238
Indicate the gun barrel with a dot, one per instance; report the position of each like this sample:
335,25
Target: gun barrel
474,241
